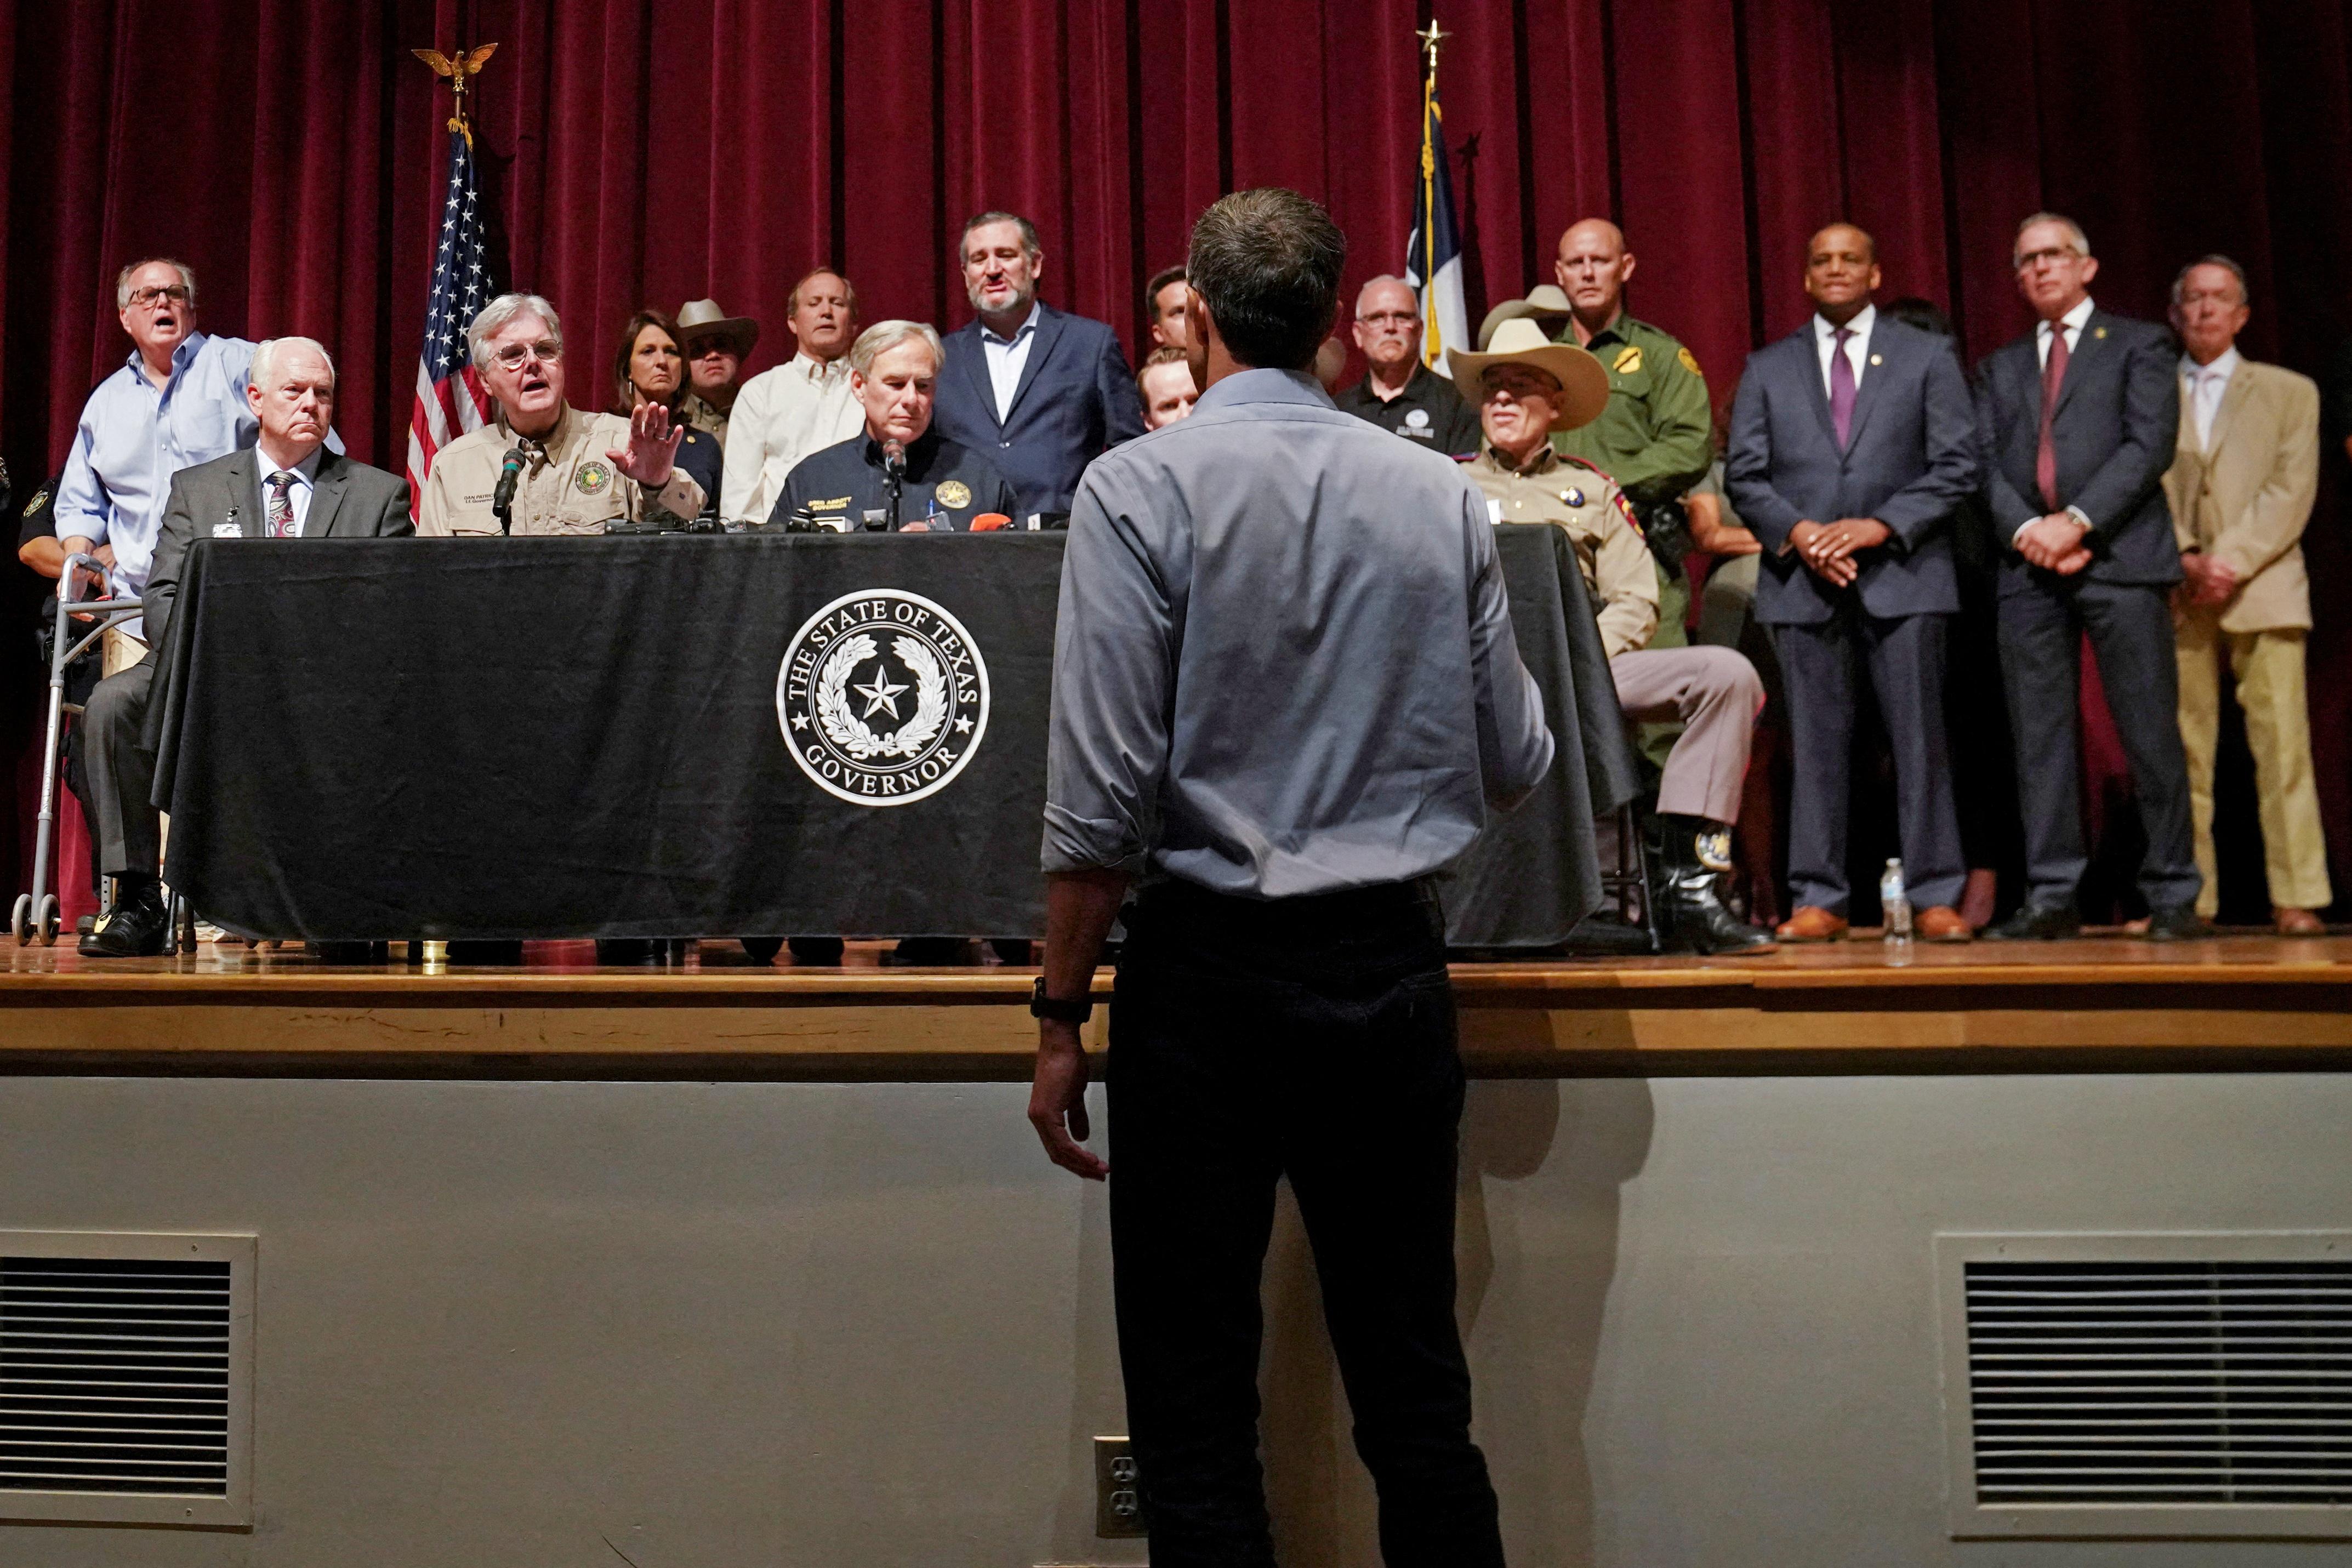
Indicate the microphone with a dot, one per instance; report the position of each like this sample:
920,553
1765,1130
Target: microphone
503,498
894,470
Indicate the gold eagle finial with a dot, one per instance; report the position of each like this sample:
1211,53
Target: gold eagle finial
457,71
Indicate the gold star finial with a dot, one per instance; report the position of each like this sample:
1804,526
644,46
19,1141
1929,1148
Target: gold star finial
1429,38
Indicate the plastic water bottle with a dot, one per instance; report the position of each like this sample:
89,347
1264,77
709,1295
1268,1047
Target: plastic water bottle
1896,903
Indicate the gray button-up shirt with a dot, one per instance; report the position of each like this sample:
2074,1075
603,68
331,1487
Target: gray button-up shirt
1283,663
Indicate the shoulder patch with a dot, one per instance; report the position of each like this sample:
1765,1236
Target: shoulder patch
1689,361
1628,361
1626,509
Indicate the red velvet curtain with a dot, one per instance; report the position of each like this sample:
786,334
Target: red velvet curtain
638,152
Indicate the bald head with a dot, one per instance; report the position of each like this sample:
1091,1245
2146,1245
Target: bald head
1388,329
1593,268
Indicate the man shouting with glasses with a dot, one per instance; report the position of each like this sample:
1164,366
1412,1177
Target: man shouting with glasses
180,401
578,472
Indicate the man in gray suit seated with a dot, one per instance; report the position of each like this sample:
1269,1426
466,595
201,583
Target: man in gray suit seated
1852,441
289,486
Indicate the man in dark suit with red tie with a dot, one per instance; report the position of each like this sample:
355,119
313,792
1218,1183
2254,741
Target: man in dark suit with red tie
1853,443
2077,420
1039,393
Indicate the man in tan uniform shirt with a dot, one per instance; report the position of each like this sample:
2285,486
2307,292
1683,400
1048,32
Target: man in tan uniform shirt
1527,389
2240,488
581,470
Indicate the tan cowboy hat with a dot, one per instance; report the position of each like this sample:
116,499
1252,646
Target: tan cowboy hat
1584,384
1544,300
704,319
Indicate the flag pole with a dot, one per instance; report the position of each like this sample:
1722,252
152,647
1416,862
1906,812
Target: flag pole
1429,38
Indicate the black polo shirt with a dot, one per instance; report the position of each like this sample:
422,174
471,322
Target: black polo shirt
1428,411
946,485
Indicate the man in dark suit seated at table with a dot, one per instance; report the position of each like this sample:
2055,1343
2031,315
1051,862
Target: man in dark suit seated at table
289,486
1852,441
1041,392
2076,422
944,486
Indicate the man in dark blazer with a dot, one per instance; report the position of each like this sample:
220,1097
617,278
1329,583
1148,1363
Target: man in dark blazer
2077,420
1852,441
1040,392
287,485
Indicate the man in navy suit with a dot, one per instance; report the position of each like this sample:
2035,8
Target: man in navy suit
1852,443
2077,422
1039,393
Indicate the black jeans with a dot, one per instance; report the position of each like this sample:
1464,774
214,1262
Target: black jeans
1312,1038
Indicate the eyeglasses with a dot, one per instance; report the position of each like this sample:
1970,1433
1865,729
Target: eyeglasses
177,293
546,351
2033,258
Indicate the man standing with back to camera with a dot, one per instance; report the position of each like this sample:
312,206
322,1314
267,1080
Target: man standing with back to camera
1269,571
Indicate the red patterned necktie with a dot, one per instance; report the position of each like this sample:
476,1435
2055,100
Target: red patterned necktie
2045,451
281,507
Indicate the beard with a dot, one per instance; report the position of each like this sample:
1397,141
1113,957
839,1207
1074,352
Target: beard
1020,301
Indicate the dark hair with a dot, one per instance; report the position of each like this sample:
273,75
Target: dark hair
1159,280
1028,230
2180,278
1923,314
625,390
848,290
1266,265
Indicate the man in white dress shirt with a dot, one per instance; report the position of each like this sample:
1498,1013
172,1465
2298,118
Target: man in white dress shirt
797,409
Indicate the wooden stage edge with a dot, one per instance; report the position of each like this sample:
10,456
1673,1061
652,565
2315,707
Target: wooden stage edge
2101,1004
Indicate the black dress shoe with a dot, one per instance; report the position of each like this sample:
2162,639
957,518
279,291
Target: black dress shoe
2037,923
816,952
761,949
2181,923
138,926
1606,936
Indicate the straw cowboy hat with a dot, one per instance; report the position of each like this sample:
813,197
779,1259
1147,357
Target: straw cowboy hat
704,319
1544,302
1584,384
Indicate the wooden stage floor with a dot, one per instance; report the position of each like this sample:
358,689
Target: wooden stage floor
2103,1003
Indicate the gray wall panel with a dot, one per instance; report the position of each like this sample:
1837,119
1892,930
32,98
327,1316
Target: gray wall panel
698,1324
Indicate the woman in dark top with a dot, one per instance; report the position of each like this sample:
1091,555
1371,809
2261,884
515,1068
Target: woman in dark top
650,367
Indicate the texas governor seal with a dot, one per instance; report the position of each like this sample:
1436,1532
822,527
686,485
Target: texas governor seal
882,698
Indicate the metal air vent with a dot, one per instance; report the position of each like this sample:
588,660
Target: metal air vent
125,1378
2176,1386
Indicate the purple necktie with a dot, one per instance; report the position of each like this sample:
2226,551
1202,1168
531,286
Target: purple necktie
1841,386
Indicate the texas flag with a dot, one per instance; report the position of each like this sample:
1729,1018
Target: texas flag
1433,257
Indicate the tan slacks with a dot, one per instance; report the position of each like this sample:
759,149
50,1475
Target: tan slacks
2268,666
1714,692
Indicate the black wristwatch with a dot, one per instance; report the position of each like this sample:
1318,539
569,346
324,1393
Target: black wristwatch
1041,1006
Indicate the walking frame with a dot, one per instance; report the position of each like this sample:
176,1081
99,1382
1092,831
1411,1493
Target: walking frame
36,914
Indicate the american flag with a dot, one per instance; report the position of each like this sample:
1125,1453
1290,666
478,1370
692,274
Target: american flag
449,396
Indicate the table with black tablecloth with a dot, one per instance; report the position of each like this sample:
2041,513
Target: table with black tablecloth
567,738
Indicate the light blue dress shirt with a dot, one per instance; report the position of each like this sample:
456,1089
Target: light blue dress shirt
1007,357
1283,663
132,439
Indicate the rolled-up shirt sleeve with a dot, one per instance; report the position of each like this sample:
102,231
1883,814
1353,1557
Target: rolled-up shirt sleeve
1515,744
1115,644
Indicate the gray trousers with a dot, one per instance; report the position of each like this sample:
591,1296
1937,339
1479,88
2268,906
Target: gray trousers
1715,694
122,772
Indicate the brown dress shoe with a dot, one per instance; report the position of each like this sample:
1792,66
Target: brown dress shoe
1943,923
2298,922
1812,924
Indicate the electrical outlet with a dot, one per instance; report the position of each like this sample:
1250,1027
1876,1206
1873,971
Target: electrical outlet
1119,1502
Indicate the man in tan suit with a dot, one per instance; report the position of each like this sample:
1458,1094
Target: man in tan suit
2241,489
